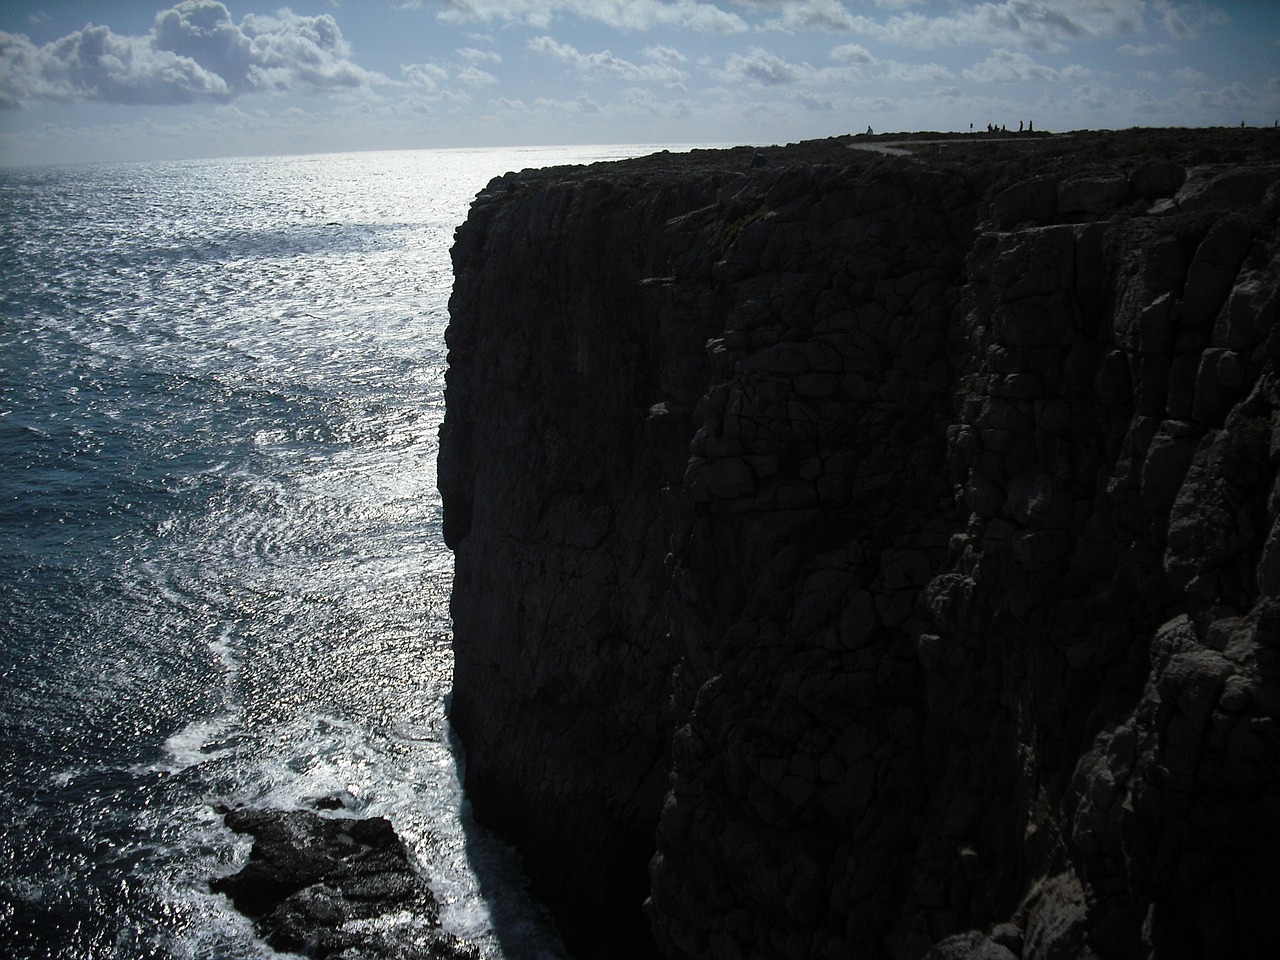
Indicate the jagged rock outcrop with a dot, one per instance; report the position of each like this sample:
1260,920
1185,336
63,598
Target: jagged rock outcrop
875,556
335,887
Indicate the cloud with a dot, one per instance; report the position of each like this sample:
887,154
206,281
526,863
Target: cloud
917,72
815,103
1189,75
1093,96
1233,97
426,75
479,56
95,64
620,14
795,15
664,54
1177,27
204,33
639,104
762,68
561,108
606,62
507,105
853,53
1007,66
1025,24
1188,21
311,51
194,52
475,77
1146,49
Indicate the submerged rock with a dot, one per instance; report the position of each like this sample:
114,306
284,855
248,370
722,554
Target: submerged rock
335,887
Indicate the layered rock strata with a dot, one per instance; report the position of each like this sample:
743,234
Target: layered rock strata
868,556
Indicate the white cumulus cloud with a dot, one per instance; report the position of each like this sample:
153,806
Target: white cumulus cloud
479,56
426,75
793,15
607,62
1026,24
917,72
475,77
620,14
1009,66
761,67
664,54
194,52
852,53
96,64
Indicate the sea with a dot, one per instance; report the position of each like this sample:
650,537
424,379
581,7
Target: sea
222,577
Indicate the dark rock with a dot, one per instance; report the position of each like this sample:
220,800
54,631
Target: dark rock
969,946
1213,187
1157,178
1092,194
899,573
1028,201
335,887
1214,267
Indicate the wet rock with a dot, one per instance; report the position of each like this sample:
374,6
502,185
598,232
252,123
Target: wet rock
335,887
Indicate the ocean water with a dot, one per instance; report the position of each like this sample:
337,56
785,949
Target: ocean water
222,578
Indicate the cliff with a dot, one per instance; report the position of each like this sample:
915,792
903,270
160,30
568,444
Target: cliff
877,556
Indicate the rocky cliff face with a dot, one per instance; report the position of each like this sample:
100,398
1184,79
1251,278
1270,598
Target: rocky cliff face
868,556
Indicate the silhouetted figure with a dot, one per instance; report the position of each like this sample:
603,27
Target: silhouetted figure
869,132
1030,127
1019,126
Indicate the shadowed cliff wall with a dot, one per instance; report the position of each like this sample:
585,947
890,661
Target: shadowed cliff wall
864,556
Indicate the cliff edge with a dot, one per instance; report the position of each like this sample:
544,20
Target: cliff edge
877,556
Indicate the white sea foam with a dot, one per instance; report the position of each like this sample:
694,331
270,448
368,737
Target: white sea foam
198,742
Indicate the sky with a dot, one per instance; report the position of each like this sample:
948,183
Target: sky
107,80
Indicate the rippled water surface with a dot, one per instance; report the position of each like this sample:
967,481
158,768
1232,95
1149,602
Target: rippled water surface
221,572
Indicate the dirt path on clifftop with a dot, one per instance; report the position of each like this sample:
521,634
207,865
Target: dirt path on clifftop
891,147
